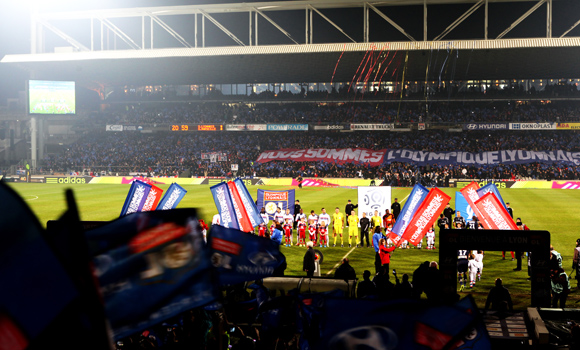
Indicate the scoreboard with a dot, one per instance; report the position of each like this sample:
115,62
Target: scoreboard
197,127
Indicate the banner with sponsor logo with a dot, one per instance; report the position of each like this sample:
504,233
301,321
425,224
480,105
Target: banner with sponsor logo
241,257
276,199
371,198
135,198
172,197
114,127
287,127
389,126
494,213
129,128
246,127
498,183
67,179
532,126
416,198
482,158
153,198
332,155
241,214
471,195
485,126
248,202
223,202
491,188
568,126
425,216
151,266
331,127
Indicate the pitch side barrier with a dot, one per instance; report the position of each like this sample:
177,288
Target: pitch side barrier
535,242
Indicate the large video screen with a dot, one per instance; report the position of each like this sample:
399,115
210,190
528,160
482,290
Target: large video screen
51,97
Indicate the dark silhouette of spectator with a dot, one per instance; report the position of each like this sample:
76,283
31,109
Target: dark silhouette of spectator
433,286
309,259
420,279
560,287
366,287
345,271
384,286
403,289
499,298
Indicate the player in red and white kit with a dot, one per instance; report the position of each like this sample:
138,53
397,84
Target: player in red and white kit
288,233
262,229
301,227
323,230
312,228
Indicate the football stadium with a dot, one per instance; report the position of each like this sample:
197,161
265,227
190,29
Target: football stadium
291,175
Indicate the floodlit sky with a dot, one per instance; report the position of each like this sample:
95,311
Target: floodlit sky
15,25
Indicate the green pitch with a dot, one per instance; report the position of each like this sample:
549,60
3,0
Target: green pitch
55,102
553,210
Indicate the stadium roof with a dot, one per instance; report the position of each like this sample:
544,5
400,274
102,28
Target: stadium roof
453,60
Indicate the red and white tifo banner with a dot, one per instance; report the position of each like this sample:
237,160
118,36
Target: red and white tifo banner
494,212
313,183
331,155
425,216
153,198
471,196
241,214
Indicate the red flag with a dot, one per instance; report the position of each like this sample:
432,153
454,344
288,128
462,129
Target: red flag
425,216
494,212
243,219
153,198
471,196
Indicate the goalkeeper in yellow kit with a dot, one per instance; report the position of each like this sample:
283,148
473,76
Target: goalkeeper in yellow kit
353,228
338,219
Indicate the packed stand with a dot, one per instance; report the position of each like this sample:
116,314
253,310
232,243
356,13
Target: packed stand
171,154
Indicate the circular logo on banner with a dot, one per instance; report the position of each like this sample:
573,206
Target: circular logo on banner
271,208
374,199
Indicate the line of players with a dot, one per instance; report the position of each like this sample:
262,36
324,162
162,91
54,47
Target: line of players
318,227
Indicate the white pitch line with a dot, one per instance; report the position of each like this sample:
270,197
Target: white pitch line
31,199
338,263
404,199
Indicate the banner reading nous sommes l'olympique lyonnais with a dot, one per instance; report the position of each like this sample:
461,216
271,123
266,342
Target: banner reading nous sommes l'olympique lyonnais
416,198
471,195
153,198
493,211
333,155
248,202
241,214
426,216
377,157
371,198
223,202
135,198
173,196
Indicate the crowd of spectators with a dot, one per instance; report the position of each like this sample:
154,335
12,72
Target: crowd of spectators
173,154
316,113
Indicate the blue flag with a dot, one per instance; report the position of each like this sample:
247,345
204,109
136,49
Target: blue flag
416,197
136,197
172,197
491,187
248,202
271,200
35,286
242,257
223,202
151,266
462,206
